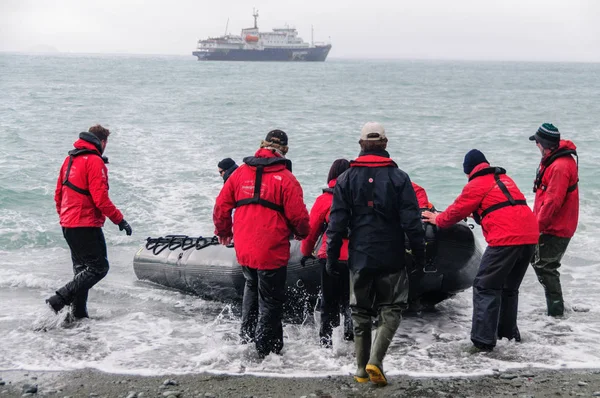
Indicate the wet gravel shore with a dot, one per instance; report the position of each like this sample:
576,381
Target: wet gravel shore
92,383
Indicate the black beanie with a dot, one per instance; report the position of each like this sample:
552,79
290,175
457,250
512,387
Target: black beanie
277,137
226,164
473,158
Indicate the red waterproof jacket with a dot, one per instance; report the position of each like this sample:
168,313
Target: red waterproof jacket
557,193
421,196
261,233
88,172
506,226
319,217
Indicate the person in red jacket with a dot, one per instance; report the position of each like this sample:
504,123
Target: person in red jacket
556,208
83,204
510,229
269,206
335,292
422,199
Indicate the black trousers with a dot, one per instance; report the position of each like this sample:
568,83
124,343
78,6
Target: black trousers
90,265
262,309
496,293
335,300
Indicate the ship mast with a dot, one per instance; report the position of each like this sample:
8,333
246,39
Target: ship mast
226,26
312,32
255,15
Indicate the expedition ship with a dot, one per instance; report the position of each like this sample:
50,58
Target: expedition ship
281,44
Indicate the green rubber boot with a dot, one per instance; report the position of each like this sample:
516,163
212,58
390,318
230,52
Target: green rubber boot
374,368
362,346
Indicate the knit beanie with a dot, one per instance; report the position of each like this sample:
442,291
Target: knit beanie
473,158
226,164
547,135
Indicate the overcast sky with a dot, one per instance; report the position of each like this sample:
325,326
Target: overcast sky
537,30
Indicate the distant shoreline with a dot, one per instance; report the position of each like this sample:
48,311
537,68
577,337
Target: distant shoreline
88,382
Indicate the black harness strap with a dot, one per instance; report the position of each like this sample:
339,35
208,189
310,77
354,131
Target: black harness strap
256,199
66,181
537,184
510,200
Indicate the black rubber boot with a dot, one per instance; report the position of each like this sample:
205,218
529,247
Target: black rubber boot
556,306
481,347
79,306
56,303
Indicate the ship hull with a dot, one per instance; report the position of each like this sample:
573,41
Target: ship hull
312,54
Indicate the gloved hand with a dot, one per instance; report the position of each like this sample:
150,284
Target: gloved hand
124,225
333,268
305,259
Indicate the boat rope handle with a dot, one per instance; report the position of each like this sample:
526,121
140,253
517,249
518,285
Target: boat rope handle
173,242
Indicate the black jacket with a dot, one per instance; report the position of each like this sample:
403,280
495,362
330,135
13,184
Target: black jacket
376,200
229,171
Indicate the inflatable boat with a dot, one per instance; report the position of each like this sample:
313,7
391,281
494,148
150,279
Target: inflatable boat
202,266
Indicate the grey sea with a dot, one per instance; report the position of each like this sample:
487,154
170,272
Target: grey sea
173,118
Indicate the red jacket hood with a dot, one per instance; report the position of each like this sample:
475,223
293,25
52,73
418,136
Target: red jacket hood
266,153
83,144
273,162
479,167
372,161
564,144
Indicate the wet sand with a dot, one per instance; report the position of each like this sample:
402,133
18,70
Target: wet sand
92,383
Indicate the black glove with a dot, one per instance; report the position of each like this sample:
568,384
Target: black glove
332,268
305,259
124,225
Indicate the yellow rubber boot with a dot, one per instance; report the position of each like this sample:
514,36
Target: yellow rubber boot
376,375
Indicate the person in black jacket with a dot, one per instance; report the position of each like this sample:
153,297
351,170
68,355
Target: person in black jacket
226,167
376,201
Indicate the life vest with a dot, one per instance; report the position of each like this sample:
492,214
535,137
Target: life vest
256,199
537,184
72,154
497,171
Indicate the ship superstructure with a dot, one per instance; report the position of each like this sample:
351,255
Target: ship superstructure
282,44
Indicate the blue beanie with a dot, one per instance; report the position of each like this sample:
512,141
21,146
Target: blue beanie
473,158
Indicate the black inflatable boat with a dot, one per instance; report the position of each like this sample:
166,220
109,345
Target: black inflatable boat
201,266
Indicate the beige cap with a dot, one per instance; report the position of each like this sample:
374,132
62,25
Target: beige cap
372,131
